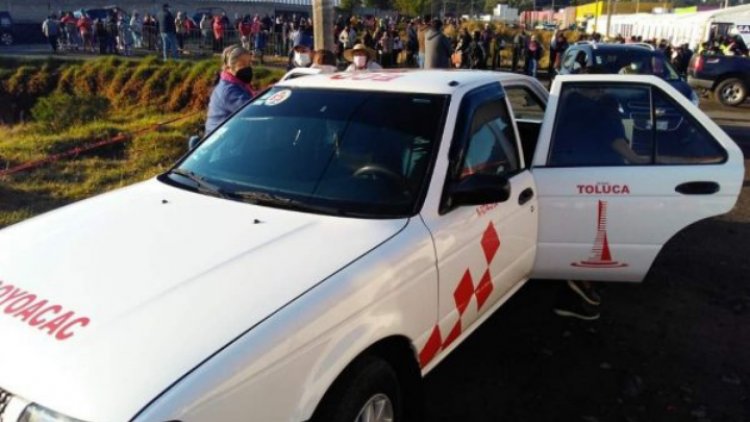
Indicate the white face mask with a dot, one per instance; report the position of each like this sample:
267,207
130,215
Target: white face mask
360,61
302,59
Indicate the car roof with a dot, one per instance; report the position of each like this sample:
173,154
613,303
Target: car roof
402,80
616,47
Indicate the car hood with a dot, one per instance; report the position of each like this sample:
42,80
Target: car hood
140,285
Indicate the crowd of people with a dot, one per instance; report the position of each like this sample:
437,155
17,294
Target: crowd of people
389,41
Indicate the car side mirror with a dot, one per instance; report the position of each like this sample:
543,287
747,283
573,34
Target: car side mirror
193,142
479,189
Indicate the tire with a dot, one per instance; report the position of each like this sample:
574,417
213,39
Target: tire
6,39
367,391
731,92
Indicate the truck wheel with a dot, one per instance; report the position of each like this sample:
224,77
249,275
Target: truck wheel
731,92
367,391
6,39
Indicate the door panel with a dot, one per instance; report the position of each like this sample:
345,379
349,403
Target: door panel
482,251
609,190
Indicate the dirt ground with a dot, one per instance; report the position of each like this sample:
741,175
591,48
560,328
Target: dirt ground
673,348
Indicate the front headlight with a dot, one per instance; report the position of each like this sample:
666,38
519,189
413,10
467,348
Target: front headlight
694,98
36,413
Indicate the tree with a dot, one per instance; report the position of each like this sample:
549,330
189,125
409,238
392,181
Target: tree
379,4
413,7
348,5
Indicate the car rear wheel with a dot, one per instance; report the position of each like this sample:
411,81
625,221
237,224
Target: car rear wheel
731,92
367,391
6,39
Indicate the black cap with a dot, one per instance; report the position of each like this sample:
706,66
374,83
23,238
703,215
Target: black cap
166,6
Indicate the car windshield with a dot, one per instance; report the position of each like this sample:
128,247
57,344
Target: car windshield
634,62
354,153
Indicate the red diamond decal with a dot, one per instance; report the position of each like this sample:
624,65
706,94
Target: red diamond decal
463,292
484,289
431,348
455,332
490,242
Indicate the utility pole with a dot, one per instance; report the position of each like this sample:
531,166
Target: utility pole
637,6
609,16
323,24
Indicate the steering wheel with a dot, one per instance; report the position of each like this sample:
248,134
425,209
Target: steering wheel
378,170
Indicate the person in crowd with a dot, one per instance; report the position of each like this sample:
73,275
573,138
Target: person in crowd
476,53
519,47
385,49
487,35
301,51
219,29
368,39
180,25
533,55
51,30
136,28
559,45
398,47
245,29
497,50
206,27
324,60
149,31
462,49
85,29
111,31
168,33
437,47
124,35
344,38
256,28
422,28
234,88
412,44
100,33
259,46
361,58
68,23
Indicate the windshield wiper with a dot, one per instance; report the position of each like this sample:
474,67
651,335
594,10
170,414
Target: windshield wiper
202,185
273,200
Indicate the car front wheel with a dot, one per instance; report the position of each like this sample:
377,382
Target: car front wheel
367,391
731,92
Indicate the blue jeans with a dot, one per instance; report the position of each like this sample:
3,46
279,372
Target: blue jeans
169,45
533,65
420,60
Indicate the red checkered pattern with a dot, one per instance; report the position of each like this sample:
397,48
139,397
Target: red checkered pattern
462,295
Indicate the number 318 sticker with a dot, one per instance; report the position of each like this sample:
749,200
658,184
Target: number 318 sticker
279,97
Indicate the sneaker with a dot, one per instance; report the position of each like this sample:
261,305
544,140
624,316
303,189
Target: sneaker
571,305
586,292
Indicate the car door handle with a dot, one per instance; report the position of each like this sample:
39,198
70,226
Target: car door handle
525,196
697,188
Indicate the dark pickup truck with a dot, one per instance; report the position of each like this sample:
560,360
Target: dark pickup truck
728,77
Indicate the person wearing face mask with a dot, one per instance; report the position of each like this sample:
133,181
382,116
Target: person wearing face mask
233,89
301,55
361,58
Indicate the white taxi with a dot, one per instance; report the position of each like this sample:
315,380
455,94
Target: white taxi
329,244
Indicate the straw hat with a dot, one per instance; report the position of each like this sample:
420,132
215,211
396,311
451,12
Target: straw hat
349,54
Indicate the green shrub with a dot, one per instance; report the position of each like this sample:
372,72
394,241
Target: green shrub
59,111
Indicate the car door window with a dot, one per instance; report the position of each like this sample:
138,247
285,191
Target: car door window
569,60
525,104
623,130
492,145
679,138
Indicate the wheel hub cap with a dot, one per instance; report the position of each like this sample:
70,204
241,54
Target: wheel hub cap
377,409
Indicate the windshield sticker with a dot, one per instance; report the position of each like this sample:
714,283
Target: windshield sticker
49,318
279,97
377,77
601,255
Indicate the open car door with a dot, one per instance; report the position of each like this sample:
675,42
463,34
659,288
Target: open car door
623,163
